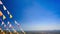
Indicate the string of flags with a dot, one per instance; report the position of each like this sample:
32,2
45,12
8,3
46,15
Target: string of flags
5,26
8,23
1,14
19,26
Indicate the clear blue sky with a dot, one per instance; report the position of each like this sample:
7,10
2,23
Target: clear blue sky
35,14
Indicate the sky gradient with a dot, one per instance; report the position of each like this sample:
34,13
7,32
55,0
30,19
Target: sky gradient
35,14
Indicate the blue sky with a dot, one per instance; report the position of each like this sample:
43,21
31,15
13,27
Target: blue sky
35,14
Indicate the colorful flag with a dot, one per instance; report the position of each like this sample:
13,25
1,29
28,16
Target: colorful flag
11,16
4,17
8,23
5,25
1,2
8,12
4,7
1,13
2,23
22,30
16,23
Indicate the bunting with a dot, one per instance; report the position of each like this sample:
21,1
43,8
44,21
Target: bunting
9,25
19,26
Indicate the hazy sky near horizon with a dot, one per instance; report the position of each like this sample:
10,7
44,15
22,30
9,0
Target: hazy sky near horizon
35,14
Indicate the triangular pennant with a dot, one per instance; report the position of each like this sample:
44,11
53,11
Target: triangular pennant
11,16
16,22
22,30
8,23
1,13
2,23
4,7
4,17
8,12
1,2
